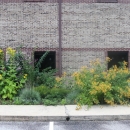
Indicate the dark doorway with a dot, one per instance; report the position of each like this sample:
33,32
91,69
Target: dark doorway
49,61
117,56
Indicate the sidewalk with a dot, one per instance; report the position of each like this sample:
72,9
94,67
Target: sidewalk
62,113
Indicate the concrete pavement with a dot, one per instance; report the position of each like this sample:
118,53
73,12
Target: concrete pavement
62,113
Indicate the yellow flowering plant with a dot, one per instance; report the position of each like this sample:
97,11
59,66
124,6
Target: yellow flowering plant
10,81
11,52
1,57
101,86
65,81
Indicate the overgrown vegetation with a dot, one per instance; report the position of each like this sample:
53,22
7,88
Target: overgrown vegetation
101,86
21,82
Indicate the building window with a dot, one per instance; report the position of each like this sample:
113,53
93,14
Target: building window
34,0
107,1
49,61
117,56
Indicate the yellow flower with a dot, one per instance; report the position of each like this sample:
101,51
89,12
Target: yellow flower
64,74
58,79
25,76
83,68
78,107
11,51
128,80
97,62
1,77
92,70
1,51
96,76
115,68
125,63
75,74
108,59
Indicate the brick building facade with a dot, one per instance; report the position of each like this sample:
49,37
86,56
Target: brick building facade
89,29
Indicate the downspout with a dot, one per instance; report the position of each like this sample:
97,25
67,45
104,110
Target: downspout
129,59
60,40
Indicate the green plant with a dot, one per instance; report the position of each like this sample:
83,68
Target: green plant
6,102
43,90
35,76
100,86
51,101
63,102
46,77
58,93
17,101
55,96
1,57
10,84
65,81
29,96
72,95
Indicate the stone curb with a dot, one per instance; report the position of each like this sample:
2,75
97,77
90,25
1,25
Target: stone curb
65,118
63,113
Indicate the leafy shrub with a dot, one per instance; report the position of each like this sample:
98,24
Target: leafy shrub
72,95
100,86
65,81
35,76
53,101
43,91
10,83
46,77
58,92
6,102
51,96
17,101
1,57
29,96
55,96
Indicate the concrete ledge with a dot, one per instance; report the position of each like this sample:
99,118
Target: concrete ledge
64,118
100,118
33,118
63,113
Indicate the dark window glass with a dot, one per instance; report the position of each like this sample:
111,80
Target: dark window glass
49,61
117,56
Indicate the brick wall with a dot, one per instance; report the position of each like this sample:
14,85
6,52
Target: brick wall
88,30
73,60
96,25
29,25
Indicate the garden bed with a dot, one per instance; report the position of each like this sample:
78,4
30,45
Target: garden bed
23,83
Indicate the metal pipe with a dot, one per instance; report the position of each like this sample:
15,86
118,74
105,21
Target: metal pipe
60,38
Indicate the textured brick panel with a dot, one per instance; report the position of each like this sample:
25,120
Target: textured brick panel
123,1
96,25
11,1
74,60
22,1
88,30
29,25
